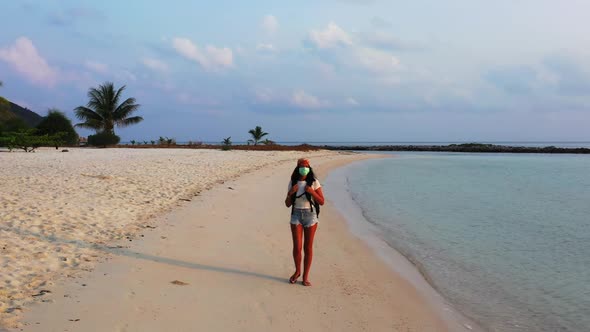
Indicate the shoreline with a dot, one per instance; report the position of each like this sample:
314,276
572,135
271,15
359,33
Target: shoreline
125,266
401,264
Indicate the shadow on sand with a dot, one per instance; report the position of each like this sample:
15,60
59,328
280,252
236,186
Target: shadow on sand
122,251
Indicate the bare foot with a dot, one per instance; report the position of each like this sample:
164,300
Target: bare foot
294,277
306,283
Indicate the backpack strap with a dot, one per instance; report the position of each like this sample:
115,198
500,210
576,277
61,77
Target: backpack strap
312,202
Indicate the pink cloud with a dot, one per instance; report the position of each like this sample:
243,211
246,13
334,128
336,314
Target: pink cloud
25,59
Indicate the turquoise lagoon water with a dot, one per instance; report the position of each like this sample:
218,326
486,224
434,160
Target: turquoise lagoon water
504,238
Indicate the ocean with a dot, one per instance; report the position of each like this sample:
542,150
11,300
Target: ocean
564,144
504,238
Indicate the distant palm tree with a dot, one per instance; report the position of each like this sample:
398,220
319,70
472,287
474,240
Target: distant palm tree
103,111
268,142
257,135
1,83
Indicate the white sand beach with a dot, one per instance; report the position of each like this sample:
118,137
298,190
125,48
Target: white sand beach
51,201
106,240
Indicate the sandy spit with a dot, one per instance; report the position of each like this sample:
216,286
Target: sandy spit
57,208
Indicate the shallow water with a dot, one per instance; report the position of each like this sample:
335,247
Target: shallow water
505,238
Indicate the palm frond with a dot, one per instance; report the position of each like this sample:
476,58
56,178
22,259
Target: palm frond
91,124
103,110
129,121
85,113
125,109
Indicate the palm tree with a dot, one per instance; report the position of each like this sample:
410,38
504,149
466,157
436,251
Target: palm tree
268,142
103,111
257,135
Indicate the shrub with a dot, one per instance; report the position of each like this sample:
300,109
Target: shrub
14,125
226,144
103,139
27,140
57,123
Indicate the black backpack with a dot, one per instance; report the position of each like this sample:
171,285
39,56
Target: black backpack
312,202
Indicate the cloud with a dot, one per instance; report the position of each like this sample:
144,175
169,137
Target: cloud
380,22
155,64
269,48
359,2
126,75
23,56
385,41
72,15
376,60
332,36
570,77
270,24
559,76
351,101
513,79
191,99
333,44
211,58
97,67
264,95
305,100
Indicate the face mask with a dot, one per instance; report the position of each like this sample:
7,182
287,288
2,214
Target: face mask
303,171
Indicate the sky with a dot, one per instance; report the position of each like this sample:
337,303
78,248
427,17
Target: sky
310,71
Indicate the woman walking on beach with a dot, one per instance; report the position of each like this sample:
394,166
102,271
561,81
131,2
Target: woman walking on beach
304,195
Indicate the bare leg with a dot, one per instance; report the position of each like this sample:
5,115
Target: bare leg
297,233
309,233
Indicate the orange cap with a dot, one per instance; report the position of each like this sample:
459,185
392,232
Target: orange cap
304,162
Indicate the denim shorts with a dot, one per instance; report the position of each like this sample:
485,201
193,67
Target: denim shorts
304,217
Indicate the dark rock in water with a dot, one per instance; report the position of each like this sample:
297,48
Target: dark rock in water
65,150
469,147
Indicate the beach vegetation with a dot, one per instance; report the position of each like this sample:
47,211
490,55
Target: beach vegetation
268,142
226,144
5,113
57,124
153,142
103,139
28,140
13,124
133,142
103,111
257,135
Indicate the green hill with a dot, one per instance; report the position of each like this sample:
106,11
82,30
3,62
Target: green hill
9,110
31,118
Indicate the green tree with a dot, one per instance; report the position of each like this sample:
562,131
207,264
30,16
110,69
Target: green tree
268,142
103,111
14,124
56,123
226,144
27,140
103,139
5,112
257,135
